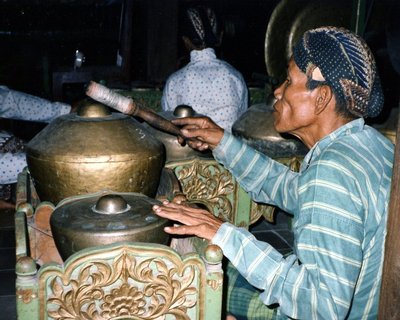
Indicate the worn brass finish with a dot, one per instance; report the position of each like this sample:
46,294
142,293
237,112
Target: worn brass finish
94,110
99,219
111,204
256,127
91,151
290,19
183,111
126,282
174,150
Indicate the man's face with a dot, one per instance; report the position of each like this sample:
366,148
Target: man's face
294,110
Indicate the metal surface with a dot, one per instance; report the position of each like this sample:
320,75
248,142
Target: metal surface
290,19
100,219
175,151
79,59
111,204
91,151
256,127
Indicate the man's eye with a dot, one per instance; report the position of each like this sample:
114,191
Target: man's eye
287,81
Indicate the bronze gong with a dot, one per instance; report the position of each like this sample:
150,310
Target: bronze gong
105,218
290,19
94,150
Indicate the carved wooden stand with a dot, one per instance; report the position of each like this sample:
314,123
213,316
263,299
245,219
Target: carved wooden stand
120,281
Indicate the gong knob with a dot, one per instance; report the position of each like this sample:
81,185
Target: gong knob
183,111
111,204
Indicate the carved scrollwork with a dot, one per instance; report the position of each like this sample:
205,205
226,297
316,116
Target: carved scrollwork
26,295
128,287
209,184
260,209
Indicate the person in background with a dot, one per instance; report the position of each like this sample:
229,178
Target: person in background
339,198
212,87
20,106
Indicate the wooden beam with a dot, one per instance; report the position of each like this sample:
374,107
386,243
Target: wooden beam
162,38
390,289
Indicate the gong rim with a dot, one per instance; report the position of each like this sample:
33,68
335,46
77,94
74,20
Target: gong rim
289,20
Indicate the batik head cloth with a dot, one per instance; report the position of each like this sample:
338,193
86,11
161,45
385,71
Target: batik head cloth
344,61
201,26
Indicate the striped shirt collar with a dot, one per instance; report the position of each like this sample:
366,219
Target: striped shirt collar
349,128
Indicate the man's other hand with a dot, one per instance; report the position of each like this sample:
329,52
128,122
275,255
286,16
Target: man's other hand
198,222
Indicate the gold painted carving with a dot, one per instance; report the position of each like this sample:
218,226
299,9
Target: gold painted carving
26,295
127,287
265,210
214,284
209,184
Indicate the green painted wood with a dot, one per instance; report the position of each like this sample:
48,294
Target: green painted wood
242,208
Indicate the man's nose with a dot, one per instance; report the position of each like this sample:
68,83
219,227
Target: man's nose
278,91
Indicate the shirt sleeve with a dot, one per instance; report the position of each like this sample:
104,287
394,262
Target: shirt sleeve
168,99
265,179
22,106
10,165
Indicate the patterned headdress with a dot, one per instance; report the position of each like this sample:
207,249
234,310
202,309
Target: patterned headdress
202,26
344,61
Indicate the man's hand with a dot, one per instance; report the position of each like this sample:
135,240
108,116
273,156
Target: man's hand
198,222
204,132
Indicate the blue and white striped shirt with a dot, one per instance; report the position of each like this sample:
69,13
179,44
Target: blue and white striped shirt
339,201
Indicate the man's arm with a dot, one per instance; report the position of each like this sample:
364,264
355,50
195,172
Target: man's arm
265,179
22,106
10,165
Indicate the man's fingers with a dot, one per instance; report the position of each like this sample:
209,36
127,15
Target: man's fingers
198,222
194,133
185,208
195,121
192,126
181,230
198,145
201,231
179,212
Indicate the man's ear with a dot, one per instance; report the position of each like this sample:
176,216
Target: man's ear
324,98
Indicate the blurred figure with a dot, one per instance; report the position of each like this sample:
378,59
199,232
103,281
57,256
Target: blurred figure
20,106
212,87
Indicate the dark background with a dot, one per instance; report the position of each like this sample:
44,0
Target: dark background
38,40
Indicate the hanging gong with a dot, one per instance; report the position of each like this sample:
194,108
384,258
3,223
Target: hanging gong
289,20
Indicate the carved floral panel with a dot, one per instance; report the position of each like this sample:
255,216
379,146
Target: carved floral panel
128,286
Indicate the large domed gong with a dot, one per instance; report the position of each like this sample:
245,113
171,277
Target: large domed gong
290,19
94,150
256,128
